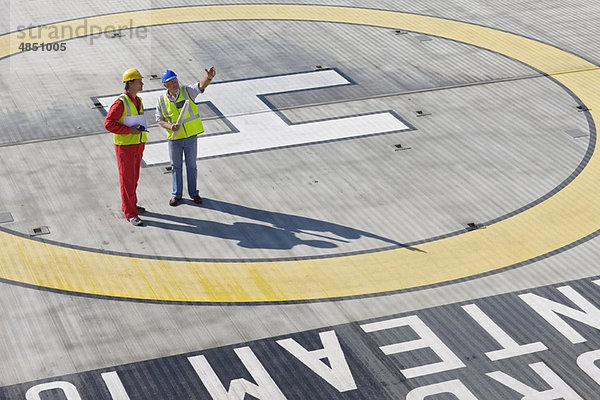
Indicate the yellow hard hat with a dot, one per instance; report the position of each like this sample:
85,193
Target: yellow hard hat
131,74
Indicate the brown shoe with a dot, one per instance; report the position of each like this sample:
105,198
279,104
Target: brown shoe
174,201
197,199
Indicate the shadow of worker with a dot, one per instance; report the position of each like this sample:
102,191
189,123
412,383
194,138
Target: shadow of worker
272,230
247,234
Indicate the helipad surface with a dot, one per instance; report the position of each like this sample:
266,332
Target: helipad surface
400,201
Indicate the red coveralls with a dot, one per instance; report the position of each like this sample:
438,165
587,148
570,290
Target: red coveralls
129,157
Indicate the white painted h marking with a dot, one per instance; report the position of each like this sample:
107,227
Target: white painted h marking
260,128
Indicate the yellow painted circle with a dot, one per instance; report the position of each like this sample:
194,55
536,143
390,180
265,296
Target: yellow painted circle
566,217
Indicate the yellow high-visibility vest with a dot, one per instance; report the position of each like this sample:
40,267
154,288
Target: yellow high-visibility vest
130,117
192,123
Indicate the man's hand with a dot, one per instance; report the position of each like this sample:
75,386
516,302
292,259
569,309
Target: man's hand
134,129
175,127
210,73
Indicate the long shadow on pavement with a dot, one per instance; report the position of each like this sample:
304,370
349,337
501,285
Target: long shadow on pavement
276,230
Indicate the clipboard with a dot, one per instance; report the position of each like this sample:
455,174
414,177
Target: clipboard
184,110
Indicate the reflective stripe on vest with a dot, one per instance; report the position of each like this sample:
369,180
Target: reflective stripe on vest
192,123
130,117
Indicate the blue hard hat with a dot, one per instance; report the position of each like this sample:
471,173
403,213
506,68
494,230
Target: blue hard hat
167,75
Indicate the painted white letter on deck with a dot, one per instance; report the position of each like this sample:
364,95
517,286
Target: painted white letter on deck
428,340
264,389
260,128
68,389
549,309
587,363
559,389
456,387
510,347
115,386
339,375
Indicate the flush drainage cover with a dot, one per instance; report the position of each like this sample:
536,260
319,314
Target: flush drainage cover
471,226
6,217
576,133
41,230
582,108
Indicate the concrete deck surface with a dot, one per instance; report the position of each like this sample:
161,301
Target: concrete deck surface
400,201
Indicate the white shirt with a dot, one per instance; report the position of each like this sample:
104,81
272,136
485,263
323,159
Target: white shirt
193,90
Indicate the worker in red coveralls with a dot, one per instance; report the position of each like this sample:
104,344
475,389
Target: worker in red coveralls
126,121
